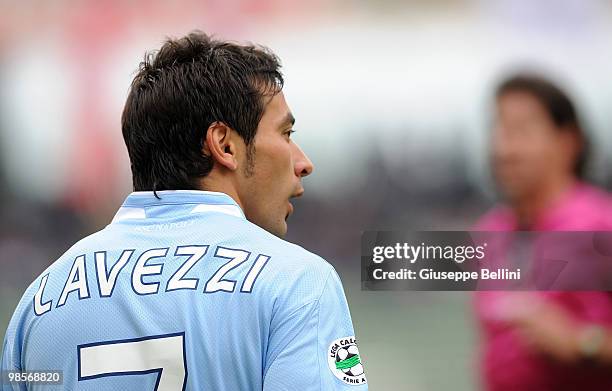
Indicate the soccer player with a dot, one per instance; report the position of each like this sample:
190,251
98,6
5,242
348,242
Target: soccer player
543,340
191,286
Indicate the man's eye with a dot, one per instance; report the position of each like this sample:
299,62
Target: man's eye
289,132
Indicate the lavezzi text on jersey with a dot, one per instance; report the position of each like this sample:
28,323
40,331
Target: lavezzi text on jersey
76,281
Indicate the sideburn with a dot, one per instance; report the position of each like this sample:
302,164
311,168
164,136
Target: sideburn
249,170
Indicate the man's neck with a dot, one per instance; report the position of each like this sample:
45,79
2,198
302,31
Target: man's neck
212,183
529,209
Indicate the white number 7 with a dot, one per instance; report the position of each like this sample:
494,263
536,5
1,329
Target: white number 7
164,354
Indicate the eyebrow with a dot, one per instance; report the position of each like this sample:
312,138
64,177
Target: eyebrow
288,120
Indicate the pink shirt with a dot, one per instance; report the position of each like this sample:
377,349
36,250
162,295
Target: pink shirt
506,363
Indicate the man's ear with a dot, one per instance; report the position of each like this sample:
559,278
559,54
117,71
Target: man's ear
221,145
572,143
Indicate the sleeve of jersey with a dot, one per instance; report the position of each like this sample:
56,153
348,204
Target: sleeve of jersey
315,348
6,364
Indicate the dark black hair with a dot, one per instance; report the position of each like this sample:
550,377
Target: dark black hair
558,105
178,92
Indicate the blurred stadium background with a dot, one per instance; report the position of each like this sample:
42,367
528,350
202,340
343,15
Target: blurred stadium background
392,100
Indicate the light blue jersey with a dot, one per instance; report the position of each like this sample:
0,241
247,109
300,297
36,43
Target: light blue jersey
183,293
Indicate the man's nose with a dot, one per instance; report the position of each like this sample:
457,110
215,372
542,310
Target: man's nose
303,165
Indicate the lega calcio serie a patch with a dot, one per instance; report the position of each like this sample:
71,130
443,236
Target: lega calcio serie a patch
344,361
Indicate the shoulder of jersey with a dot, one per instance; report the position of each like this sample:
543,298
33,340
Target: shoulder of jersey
65,261
288,255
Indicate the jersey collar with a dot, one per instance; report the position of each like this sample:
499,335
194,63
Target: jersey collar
198,201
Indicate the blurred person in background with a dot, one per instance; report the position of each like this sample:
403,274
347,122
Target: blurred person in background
543,340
